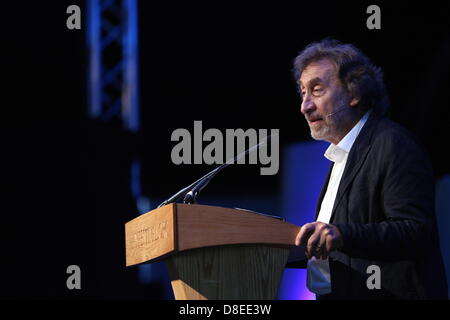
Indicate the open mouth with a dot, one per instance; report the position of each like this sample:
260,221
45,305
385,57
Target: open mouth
315,121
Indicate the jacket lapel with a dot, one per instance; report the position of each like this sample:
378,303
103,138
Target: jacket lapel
355,160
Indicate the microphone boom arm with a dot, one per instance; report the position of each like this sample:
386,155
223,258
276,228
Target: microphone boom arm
189,193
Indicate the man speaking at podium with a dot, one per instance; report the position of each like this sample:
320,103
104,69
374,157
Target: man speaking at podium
376,208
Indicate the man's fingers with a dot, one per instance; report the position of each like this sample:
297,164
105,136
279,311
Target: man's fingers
314,240
319,238
324,252
333,239
305,231
311,248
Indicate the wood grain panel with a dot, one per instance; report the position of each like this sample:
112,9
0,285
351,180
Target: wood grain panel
201,226
228,272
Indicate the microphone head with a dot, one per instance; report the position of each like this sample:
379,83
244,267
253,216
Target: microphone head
339,110
330,114
189,198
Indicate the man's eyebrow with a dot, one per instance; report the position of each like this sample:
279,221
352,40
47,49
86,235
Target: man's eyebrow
311,82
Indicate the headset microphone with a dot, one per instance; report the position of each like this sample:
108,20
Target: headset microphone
341,109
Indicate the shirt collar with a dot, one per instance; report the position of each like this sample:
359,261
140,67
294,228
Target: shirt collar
337,153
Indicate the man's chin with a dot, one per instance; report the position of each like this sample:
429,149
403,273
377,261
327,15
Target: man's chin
320,136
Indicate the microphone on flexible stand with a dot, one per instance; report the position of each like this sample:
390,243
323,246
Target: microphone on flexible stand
189,194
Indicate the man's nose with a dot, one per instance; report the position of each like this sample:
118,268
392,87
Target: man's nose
307,104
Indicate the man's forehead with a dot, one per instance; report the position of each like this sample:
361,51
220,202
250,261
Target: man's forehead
322,69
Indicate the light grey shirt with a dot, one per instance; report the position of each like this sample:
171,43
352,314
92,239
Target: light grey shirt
318,277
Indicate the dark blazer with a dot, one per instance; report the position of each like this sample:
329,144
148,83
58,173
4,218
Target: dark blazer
384,209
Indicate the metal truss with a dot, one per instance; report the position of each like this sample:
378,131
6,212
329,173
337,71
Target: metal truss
112,38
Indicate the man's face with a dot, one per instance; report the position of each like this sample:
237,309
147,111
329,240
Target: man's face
322,95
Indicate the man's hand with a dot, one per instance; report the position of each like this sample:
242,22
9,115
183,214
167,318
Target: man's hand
319,239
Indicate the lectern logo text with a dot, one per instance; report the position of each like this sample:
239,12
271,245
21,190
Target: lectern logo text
151,234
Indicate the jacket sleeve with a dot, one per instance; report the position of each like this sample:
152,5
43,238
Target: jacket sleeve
407,198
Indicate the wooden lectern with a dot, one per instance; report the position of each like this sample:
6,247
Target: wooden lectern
213,252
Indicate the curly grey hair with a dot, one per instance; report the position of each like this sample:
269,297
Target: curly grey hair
362,79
